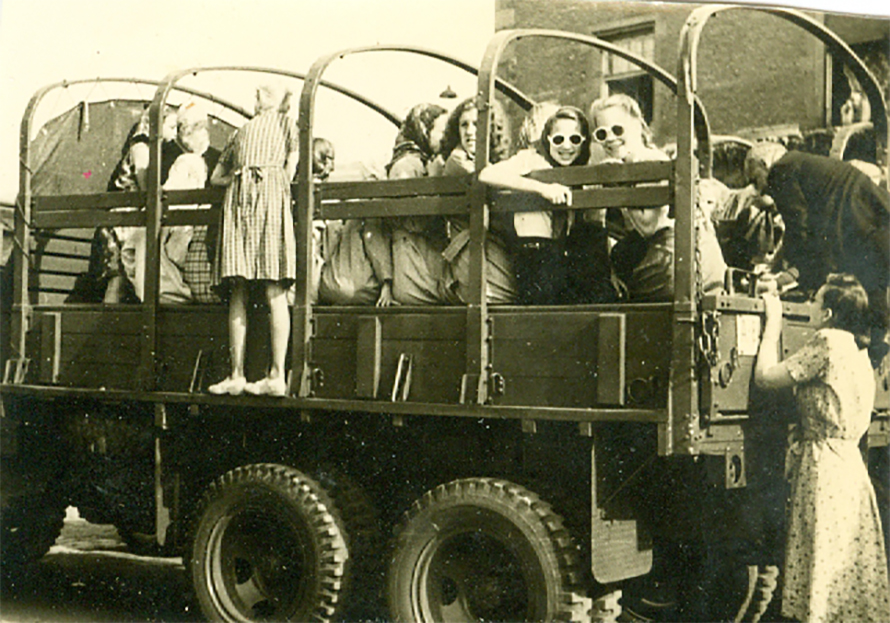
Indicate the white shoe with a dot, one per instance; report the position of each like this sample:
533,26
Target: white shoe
267,387
231,386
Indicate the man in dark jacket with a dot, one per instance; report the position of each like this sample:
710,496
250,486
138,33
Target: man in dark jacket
836,220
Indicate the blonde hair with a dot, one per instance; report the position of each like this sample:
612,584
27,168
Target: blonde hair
533,124
628,105
277,97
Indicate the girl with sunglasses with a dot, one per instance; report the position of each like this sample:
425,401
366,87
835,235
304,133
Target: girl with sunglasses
643,259
539,258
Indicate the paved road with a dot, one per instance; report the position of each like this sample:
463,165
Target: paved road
88,577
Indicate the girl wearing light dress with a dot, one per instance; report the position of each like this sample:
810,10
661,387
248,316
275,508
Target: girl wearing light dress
257,239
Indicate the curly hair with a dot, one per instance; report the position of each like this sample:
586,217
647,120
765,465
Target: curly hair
848,302
499,134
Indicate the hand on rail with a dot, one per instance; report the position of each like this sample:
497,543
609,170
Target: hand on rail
557,193
386,299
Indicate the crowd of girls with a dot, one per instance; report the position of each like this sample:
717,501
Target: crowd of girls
535,255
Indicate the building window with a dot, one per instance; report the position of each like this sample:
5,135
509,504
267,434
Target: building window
623,76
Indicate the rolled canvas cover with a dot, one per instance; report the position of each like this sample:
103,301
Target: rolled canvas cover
76,152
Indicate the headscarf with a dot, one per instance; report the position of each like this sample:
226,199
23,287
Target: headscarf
414,134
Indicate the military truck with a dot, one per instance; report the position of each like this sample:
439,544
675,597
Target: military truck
429,463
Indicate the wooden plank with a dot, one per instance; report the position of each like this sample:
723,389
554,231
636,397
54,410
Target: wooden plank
53,282
62,246
122,320
87,218
543,326
424,327
84,349
517,323
565,358
51,298
548,392
53,203
191,217
642,196
50,324
639,197
194,320
99,374
74,235
398,322
337,326
367,360
607,173
453,185
401,206
610,359
63,264
194,196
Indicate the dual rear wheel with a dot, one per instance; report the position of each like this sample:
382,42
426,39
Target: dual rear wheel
269,545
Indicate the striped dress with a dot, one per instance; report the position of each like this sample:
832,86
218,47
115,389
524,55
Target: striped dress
258,241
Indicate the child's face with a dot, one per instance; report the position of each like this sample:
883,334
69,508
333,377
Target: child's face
437,132
323,160
169,130
824,314
620,134
565,140
467,128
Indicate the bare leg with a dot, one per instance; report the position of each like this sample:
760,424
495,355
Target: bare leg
238,327
279,325
236,382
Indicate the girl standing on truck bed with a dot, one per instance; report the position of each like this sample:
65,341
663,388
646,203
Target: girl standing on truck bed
835,564
258,241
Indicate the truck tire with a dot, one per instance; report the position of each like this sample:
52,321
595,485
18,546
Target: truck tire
367,568
482,549
267,546
30,525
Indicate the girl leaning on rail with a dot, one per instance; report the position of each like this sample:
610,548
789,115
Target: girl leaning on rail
540,250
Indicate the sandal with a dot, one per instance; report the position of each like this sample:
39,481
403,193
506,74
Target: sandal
231,386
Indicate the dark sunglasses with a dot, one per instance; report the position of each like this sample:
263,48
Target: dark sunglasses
602,133
574,139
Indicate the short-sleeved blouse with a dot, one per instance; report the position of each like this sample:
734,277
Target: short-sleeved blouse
835,391
529,224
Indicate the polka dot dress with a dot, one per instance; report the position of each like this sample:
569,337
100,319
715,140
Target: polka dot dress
835,563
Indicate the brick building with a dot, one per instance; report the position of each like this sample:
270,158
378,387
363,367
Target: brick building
759,75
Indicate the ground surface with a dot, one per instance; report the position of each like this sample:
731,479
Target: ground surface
88,577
